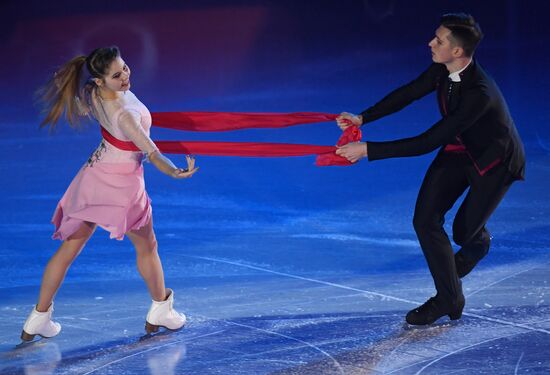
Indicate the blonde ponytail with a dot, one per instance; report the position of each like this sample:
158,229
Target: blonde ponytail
63,94
68,92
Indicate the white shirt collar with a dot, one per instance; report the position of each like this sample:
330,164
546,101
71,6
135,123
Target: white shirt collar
455,76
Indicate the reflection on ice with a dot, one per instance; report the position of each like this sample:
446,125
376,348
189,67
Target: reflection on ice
164,362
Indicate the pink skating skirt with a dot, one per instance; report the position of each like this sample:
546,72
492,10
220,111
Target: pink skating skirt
111,195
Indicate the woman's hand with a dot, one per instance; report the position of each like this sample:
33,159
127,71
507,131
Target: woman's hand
187,172
166,166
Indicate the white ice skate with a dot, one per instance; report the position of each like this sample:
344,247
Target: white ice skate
162,314
40,323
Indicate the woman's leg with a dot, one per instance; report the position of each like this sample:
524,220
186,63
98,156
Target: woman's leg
148,260
161,313
59,264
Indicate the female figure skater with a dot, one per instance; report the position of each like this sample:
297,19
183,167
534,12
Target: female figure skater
109,189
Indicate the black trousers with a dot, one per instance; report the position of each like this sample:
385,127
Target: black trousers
447,178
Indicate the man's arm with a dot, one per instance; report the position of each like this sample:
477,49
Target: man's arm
475,103
403,96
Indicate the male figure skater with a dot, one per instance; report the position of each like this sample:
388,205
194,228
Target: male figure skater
480,151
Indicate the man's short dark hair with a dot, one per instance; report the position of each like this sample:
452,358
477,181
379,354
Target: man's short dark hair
465,31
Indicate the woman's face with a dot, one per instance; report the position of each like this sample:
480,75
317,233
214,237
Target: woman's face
117,77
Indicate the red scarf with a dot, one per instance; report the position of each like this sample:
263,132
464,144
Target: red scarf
220,121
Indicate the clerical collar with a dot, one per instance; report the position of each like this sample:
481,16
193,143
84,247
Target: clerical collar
455,76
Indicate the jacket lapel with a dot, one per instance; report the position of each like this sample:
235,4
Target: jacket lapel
441,88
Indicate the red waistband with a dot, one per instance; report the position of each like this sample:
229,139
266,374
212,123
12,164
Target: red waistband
455,148
122,145
461,149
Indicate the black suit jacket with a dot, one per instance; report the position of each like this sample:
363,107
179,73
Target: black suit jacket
477,115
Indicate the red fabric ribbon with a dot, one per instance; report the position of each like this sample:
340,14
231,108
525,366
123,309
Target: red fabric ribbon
351,134
224,121
219,121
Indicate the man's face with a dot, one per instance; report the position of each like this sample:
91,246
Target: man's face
443,51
